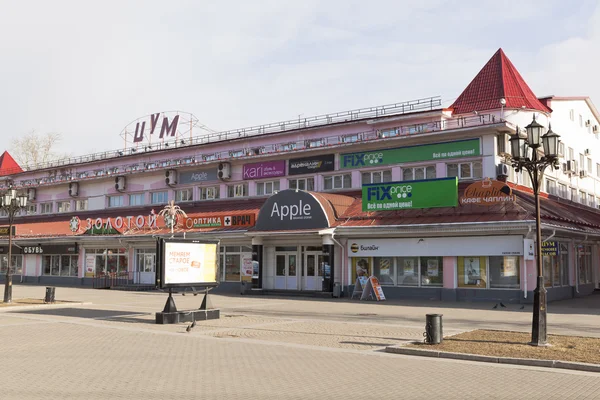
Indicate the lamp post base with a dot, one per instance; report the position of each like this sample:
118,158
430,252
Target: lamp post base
539,335
8,289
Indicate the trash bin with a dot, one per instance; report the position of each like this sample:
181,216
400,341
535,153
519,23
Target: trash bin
50,292
246,287
337,289
433,329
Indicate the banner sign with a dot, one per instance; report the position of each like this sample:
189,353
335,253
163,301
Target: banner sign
310,165
185,263
4,230
410,194
427,152
236,221
487,192
291,210
550,248
267,169
202,175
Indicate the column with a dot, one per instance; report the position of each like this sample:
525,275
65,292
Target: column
328,260
257,262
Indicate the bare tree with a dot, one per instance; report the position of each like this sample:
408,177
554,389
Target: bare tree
33,149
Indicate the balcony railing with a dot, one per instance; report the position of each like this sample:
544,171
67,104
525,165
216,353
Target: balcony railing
271,149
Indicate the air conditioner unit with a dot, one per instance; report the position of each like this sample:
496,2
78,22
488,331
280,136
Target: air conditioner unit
171,177
31,194
583,173
238,190
588,152
120,183
73,189
571,167
224,171
503,170
211,193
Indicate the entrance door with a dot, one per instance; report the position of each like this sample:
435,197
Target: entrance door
286,271
312,276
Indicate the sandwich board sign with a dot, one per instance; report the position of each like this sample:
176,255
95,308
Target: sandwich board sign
368,288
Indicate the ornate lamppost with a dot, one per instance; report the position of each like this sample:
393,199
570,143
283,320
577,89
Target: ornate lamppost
526,156
11,203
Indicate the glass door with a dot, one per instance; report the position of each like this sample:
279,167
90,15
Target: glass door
286,271
312,276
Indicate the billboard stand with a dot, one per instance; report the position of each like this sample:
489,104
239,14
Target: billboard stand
185,263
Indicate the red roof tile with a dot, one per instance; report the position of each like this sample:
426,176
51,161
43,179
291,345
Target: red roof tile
8,165
497,79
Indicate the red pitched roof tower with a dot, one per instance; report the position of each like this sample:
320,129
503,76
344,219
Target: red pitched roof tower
498,79
8,165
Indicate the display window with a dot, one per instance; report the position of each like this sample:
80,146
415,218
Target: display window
493,272
400,271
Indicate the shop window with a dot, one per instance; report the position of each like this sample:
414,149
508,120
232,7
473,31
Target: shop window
60,265
16,264
267,188
472,272
208,193
376,177
239,190
184,195
504,272
400,271
63,206
383,270
81,205
115,201
470,170
233,258
418,173
302,184
46,208
136,199
584,263
332,182
145,260
110,261
159,197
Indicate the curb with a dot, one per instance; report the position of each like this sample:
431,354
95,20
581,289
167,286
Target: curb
42,306
579,366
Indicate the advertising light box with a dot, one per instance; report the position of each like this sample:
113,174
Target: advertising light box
187,263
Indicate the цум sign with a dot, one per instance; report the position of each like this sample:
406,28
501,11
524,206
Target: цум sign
410,194
427,152
187,263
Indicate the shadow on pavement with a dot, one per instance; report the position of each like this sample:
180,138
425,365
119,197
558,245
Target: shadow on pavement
80,313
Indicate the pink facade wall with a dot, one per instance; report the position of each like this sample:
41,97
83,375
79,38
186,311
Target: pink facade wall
449,264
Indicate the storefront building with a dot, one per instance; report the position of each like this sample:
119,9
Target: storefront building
307,205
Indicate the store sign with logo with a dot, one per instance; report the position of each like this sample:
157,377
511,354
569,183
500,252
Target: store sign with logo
111,225
235,221
428,152
310,165
430,193
291,210
487,192
550,248
267,169
4,230
201,175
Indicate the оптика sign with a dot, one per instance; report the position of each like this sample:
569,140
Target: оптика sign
427,152
429,193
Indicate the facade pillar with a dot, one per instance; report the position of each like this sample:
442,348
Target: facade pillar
328,263
257,262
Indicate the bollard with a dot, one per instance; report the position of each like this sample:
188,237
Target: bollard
50,291
433,329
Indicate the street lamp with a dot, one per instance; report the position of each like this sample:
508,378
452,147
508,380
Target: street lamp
11,203
526,156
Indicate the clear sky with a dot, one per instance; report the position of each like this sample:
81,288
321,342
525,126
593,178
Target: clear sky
87,68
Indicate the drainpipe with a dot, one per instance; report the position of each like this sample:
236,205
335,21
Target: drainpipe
525,272
343,248
577,264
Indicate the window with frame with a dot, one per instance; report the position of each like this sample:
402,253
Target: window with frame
31,209
501,143
60,265
580,120
302,184
115,201
418,173
208,192
46,208
266,188
562,190
551,187
376,176
572,115
589,166
581,161
561,149
81,205
109,261
232,257
63,206
584,263
161,197
469,170
571,154
590,200
145,260
136,199
598,170
574,196
493,272
582,197
342,181
16,264
400,271
184,194
238,190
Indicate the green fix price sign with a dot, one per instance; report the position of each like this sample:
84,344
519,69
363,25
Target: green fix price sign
429,193
428,152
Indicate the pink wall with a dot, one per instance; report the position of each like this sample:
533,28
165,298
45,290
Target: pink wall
449,264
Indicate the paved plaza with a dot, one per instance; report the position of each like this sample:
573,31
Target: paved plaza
108,347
